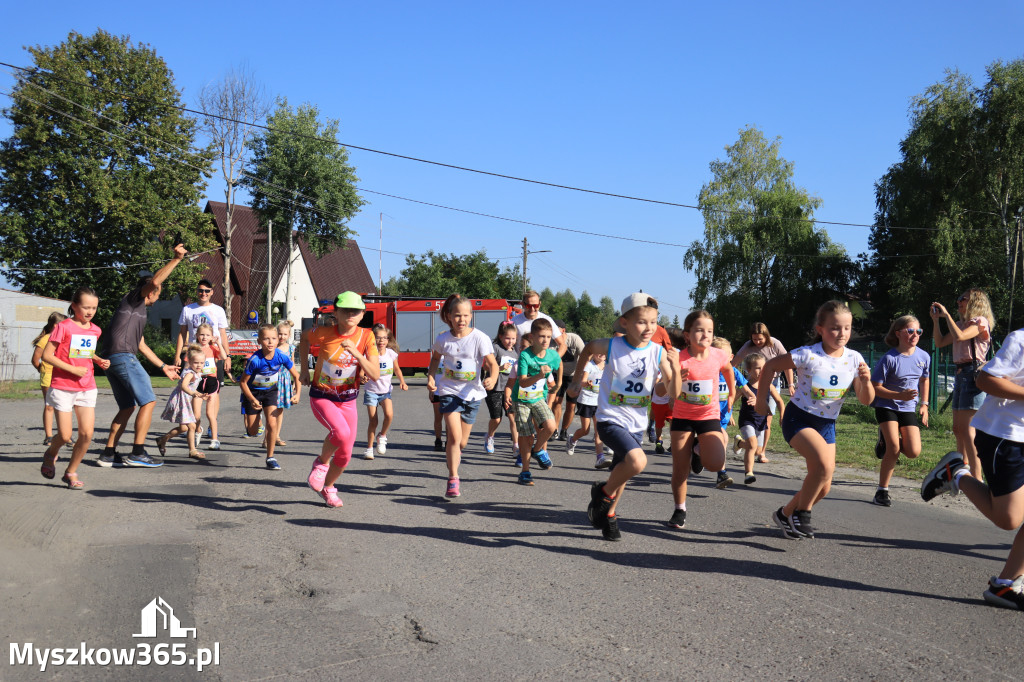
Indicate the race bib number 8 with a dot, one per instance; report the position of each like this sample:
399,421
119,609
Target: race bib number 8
82,346
209,367
827,387
697,392
629,392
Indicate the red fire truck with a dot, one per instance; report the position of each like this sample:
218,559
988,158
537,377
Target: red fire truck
415,323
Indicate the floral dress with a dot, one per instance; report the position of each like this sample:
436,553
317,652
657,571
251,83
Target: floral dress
179,404
284,382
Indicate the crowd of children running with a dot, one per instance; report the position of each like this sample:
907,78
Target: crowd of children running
636,381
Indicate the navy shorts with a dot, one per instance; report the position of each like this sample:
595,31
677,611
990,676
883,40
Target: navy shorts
966,394
1002,461
453,403
794,419
129,382
619,440
697,426
267,398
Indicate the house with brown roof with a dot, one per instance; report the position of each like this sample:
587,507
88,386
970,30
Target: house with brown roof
312,279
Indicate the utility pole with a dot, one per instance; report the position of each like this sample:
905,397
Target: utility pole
270,272
380,257
525,252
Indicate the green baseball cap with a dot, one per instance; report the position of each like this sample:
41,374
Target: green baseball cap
350,300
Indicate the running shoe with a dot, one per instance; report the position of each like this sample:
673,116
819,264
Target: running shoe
47,440
696,466
801,522
597,510
880,445
604,461
562,435
610,531
140,460
519,461
489,445
317,475
678,519
330,496
882,498
784,522
382,445
940,479
261,430
543,461
438,445
659,447
749,479
111,460
570,446
369,453
273,464
214,444
1008,596
724,480
525,478
453,488
737,446
652,434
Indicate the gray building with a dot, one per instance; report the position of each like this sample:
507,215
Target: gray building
22,317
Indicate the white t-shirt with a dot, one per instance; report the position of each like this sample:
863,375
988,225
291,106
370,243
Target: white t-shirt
823,380
627,384
387,372
524,324
588,395
194,315
998,417
463,361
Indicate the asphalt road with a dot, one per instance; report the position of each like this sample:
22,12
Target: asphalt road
505,582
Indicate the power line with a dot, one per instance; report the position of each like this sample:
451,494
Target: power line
123,266
467,169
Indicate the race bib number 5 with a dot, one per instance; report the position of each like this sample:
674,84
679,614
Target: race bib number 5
697,392
82,346
827,387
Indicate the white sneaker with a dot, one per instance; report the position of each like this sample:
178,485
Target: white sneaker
604,461
382,445
214,445
737,446
368,454
570,445
489,444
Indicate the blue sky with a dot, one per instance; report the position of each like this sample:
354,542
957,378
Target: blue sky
634,99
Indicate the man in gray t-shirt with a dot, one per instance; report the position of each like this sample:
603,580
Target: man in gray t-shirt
573,347
128,380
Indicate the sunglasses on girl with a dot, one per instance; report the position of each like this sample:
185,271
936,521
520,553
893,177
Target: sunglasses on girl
913,332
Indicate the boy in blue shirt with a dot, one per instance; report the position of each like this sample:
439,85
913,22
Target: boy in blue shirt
259,389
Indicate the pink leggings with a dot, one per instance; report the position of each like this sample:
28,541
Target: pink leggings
341,419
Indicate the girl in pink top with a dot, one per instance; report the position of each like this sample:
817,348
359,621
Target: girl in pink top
72,350
971,337
695,415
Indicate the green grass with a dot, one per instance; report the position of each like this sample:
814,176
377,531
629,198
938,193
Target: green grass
857,432
25,390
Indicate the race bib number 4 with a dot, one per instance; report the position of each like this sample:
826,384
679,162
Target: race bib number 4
697,392
827,387
629,393
464,370
82,346
338,377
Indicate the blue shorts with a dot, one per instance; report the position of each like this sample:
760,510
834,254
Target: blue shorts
370,398
1002,461
726,416
619,440
966,394
129,382
794,419
453,403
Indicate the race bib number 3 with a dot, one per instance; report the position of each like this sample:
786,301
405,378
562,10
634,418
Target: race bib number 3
82,346
464,370
697,392
629,393
827,387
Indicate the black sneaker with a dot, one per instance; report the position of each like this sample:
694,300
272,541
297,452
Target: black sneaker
659,447
724,480
749,479
597,510
562,435
141,460
678,519
111,460
880,445
611,530
940,479
1008,596
696,466
783,522
438,445
801,522
882,498
652,434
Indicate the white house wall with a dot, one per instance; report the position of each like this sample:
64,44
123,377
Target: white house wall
22,317
303,296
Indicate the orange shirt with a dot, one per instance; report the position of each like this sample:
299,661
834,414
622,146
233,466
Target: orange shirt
337,375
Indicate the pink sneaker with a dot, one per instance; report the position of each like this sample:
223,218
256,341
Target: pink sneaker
453,488
330,496
317,476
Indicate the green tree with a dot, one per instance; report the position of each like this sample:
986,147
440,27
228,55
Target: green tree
762,259
960,186
300,178
438,275
99,164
